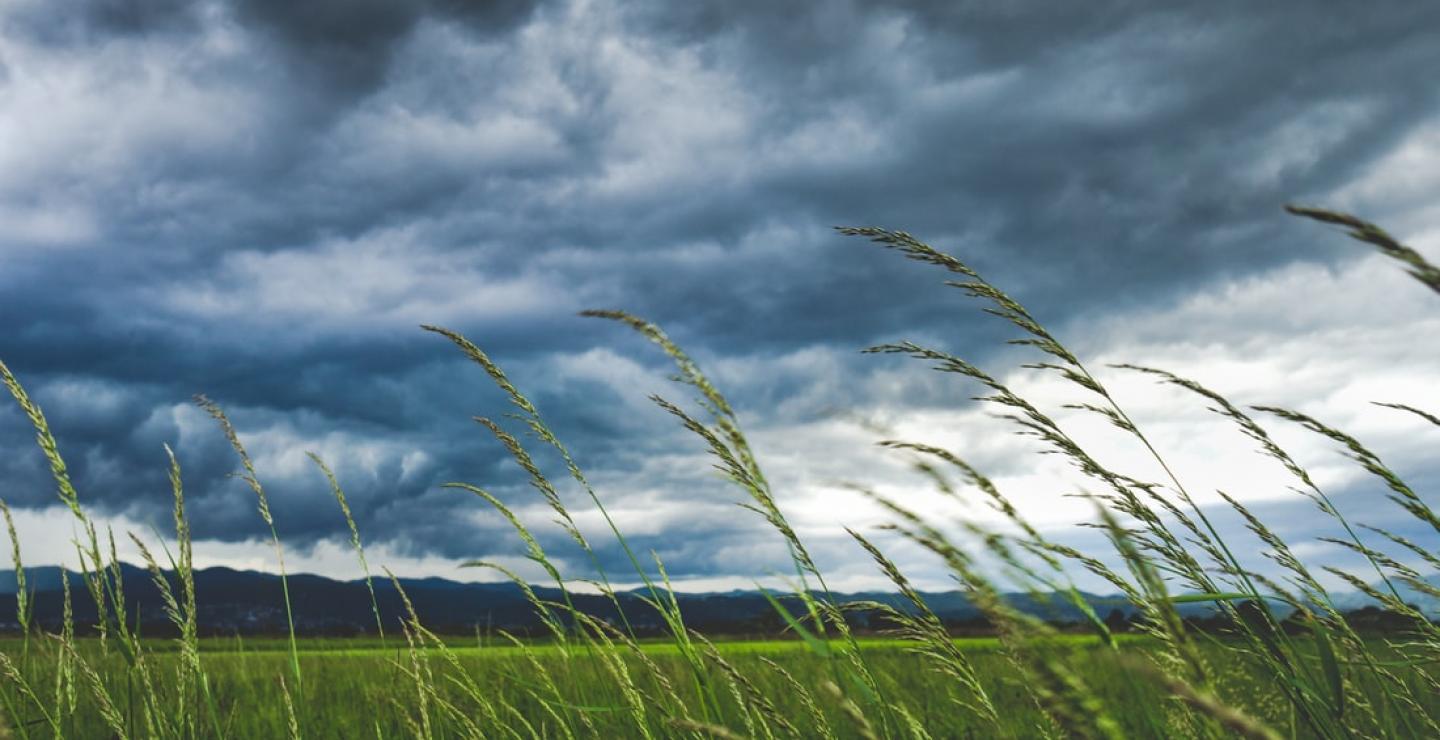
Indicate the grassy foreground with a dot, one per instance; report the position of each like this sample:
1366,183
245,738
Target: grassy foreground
347,674
1290,664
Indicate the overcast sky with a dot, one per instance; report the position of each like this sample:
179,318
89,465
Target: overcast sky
261,200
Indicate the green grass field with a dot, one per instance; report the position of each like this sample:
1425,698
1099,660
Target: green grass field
1291,664
357,688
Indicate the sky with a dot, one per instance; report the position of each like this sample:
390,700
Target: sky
262,201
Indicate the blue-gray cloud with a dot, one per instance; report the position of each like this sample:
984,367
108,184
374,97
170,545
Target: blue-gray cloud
260,200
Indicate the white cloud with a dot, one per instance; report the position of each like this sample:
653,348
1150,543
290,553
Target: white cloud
48,537
1306,140
96,125
1398,189
391,140
385,281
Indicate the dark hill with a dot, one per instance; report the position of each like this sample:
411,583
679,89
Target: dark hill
232,601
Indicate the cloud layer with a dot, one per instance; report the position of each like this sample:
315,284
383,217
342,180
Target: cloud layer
261,201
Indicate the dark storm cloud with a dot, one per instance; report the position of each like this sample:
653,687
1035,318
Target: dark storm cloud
260,200
347,45
90,21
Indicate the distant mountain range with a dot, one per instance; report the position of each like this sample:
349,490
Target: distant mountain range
247,602
1427,604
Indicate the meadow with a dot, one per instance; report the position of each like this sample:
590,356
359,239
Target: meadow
347,673
1288,663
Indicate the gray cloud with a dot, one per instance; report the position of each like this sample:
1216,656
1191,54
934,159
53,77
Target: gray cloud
99,20
260,200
